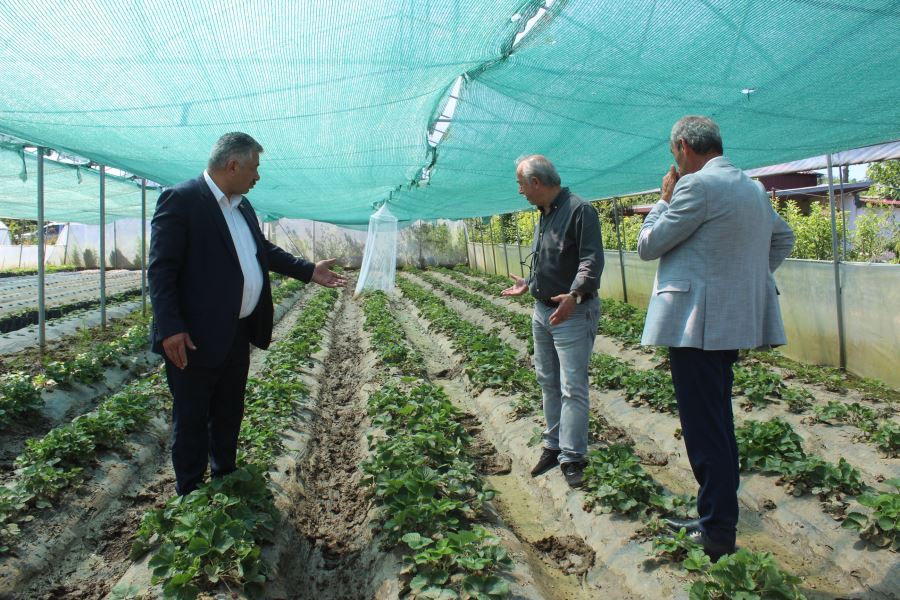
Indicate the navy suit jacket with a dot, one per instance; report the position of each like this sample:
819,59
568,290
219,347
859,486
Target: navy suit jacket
195,279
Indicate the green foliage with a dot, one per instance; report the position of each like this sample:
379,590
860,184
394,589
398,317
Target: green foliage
284,289
886,175
812,232
887,438
18,396
474,552
757,383
881,527
651,388
774,447
55,463
675,547
519,323
609,372
423,478
816,476
388,339
212,534
622,321
746,575
490,363
765,445
615,480
875,236
429,492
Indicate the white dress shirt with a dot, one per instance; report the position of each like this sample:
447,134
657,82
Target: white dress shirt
244,244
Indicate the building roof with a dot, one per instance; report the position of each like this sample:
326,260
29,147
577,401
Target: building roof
821,190
856,156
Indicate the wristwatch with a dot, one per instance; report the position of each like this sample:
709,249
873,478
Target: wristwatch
577,297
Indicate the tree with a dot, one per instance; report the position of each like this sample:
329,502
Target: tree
886,176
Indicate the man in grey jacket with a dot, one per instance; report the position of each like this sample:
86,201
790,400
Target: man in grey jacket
718,241
566,262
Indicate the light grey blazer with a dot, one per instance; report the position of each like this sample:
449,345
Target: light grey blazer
718,242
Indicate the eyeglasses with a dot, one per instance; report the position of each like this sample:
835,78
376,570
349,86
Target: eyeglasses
528,262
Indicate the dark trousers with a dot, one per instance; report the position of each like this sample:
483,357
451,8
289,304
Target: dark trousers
207,411
703,381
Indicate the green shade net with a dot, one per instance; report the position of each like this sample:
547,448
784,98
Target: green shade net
342,95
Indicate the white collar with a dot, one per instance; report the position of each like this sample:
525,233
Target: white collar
218,194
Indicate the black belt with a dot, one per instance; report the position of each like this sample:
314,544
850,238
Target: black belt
551,304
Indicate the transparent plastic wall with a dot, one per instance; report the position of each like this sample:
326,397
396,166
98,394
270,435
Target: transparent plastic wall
79,244
420,244
871,295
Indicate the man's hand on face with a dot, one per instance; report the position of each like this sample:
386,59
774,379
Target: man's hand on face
324,276
668,184
517,289
174,347
564,310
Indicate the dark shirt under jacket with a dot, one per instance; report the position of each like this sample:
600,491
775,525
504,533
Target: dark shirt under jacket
567,251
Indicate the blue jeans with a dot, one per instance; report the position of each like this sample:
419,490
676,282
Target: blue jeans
561,357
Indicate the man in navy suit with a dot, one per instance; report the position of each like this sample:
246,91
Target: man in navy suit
209,284
718,241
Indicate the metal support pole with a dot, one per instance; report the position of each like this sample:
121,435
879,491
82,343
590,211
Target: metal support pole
144,247
519,244
474,247
314,242
102,260
616,209
66,248
506,257
468,240
843,218
42,315
493,245
115,253
837,271
483,253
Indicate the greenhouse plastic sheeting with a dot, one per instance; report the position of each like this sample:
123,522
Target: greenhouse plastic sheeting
342,95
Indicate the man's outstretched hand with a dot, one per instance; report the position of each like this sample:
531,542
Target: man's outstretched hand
324,276
517,289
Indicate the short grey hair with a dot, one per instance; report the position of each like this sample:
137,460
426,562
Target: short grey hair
698,132
232,145
536,165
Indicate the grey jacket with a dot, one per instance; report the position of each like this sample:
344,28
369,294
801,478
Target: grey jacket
718,241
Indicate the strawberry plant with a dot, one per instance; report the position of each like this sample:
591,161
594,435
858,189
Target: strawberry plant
757,383
887,438
615,480
764,446
746,575
674,546
881,527
214,533
490,363
520,324
474,553
18,396
816,476
387,336
651,388
609,372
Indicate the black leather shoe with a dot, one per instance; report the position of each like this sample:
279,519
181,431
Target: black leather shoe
574,473
549,459
715,550
677,525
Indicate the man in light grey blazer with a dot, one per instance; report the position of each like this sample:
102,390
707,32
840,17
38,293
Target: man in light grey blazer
718,241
